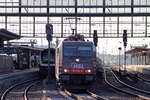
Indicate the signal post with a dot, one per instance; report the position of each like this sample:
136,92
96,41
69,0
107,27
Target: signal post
49,32
125,44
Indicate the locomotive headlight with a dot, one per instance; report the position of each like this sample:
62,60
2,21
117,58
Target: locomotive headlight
88,71
66,70
77,59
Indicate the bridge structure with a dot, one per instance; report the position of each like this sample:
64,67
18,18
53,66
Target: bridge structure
27,18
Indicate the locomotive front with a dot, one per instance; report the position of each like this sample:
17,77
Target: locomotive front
77,68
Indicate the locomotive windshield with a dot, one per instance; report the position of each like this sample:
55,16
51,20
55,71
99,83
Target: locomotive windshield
69,51
77,51
84,51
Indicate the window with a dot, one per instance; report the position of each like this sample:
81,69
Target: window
84,51
69,51
45,57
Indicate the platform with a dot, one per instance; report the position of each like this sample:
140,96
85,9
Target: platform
17,72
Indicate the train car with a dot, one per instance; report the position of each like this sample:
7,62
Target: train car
44,62
75,64
6,63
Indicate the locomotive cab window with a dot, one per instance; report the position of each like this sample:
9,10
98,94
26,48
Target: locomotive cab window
69,51
84,51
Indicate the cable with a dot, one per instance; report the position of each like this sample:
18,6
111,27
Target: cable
69,19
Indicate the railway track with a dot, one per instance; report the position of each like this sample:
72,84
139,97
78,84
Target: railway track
27,90
84,96
44,90
144,79
95,96
26,85
120,86
136,87
141,83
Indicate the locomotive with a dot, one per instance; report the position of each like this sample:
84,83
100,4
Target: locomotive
75,63
43,66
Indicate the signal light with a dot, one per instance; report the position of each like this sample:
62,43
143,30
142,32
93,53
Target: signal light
125,37
95,37
49,31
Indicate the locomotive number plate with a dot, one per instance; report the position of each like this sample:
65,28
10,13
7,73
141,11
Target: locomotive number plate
77,71
77,65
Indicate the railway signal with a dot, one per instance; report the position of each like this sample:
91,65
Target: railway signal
49,32
119,58
125,37
125,44
95,38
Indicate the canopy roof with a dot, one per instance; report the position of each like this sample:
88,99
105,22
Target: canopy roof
6,35
138,50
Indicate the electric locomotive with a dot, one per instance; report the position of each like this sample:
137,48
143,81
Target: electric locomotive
44,62
75,63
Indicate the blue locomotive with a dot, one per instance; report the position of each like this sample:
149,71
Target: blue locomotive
75,63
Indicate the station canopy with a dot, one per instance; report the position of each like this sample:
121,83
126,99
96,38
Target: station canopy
7,35
29,48
138,51
28,18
